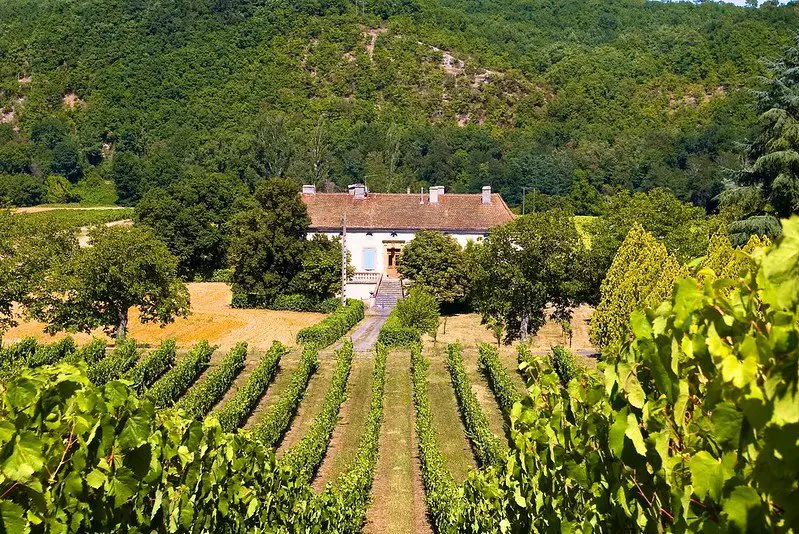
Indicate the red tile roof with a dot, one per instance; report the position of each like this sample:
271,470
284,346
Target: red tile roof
392,211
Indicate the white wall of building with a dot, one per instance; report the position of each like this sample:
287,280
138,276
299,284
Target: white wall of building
358,241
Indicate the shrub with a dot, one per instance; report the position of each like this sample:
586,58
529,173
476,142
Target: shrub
274,423
153,366
487,447
562,361
303,458
504,390
93,352
332,327
222,275
178,379
52,353
123,357
204,395
393,334
20,351
236,410
419,311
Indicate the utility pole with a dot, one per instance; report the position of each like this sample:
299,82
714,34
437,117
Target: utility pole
343,260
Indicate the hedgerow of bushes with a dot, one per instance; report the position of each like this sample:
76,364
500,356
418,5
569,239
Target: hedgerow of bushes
150,369
290,302
204,395
487,447
113,366
332,327
178,379
303,458
236,410
498,379
269,430
394,334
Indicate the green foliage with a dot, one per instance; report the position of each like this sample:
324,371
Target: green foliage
522,269
728,262
332,327
418,311
97,286
123,357
303,303
177,380
435,263
506,393
190,217
319,277
269,430
642,274
304,458
153,366
488,449
394,334
21,351
21,190
562,362
206,393
73,219
91,353
52,353
235,411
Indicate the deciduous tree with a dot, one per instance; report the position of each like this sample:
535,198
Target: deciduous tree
435,263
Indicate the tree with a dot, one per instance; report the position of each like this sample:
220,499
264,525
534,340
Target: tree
319,277
642,274
190,216
767,188
435,263
528,271
419,311
268,240
123,268
272,149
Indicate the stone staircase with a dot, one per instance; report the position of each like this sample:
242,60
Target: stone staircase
389,292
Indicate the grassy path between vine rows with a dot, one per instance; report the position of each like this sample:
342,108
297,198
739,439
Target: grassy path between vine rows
253,358
398,505
510,360
486,398
351,417
288,363
455,448
312,401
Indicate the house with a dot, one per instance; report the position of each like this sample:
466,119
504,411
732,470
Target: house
380,224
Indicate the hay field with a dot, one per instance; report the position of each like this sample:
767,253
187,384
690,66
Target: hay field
212,319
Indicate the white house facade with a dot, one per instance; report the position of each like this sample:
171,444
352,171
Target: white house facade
378,225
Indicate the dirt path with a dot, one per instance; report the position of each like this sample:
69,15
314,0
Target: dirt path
38,209
486,398
450,432
311,402
288,363
366,332
511,362
398,505
347,434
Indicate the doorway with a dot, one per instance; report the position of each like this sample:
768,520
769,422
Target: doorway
392,255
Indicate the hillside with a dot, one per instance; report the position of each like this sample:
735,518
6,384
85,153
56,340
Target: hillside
622,94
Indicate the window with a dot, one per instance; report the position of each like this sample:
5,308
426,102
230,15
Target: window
369,259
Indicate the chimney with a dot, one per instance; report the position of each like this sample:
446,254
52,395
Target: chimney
435,193
486,194
357,190
309,189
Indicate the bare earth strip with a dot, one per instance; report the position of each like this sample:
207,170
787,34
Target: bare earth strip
288,363
311,402
485,396
398,505
450,432
347,434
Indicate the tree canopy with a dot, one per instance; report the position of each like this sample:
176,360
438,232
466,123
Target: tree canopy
435,263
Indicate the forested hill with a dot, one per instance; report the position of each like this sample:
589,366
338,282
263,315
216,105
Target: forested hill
600,94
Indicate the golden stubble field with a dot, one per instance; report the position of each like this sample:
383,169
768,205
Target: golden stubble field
212,319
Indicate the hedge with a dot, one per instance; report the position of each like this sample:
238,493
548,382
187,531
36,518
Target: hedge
393,334
153,366
93,352
348,499
15,357
178,379
115,364
304,458
204,395
332,327
487,447
506,393
274,423
53,353
291,302
239,407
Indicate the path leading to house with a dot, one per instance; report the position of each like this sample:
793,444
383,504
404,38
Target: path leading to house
365,335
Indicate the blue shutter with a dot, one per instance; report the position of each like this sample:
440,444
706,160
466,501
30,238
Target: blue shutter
369,259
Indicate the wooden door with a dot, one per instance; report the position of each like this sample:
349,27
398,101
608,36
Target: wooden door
392,255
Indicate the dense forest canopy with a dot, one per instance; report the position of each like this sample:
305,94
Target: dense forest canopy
397,93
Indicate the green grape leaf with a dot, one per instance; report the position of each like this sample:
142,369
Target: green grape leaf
707,476
25,458
744,511
12,517
727,421
634,433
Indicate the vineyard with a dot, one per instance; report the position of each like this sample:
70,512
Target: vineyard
691,425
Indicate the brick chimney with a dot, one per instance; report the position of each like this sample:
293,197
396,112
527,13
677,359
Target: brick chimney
486,194
309,189
435,193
